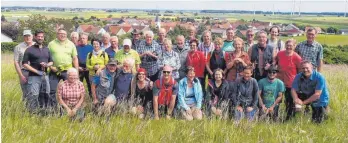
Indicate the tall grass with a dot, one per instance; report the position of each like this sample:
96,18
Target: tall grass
19,126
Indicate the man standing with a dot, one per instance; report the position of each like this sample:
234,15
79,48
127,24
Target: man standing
106,41
36,59
192,35
74,37
162,34
309,88
182,50
228,43
82,51
270,93
113,49
127,53
18,58
311,50
64,56
250,40
262,56
136,35
149,50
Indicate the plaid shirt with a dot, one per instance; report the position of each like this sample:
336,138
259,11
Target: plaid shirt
311,52
147,62
71,92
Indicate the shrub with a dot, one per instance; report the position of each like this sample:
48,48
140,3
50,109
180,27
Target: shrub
8,46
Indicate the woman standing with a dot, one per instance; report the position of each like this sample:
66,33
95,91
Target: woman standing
190,96
170,58
289,63
96,60
236,61
196,59
216,58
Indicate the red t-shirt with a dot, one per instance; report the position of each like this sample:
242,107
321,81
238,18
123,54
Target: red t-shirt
288,66
197,60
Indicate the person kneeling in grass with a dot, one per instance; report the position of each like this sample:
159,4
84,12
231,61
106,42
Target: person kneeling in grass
102,88
270,94
309,88
244,97
141,94
71,94
164,93
218,94
190,96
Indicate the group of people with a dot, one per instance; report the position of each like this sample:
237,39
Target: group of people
190,79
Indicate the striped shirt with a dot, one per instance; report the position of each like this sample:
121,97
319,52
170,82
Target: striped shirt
71,92
148,62
311,52
206,49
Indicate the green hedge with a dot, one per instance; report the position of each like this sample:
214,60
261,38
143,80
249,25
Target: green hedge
8,46
332,54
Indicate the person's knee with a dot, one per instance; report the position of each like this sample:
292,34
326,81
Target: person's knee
197,114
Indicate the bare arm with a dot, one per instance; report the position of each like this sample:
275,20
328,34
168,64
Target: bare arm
155,106
75,62
278,100
320,65
28,67
171,105
314,97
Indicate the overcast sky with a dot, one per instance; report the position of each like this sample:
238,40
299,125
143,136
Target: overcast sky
276,5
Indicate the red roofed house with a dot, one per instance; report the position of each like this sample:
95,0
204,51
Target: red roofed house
291,30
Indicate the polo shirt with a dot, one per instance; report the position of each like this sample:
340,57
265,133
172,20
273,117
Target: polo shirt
288,66
62,52
120,56
270,90
308,86
111,53
228,46
34,56
82,52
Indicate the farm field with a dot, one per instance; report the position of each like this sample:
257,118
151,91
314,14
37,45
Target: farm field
321,21
331,40
18,126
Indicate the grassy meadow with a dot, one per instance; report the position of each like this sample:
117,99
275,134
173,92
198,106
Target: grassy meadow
332,40
17,125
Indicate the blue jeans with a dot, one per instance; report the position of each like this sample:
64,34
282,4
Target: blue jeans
240,115
35,85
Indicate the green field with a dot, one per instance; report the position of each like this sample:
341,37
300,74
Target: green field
332,40
18,126
321,21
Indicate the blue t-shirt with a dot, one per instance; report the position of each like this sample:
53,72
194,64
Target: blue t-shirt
123,82
228,46
308,86
270,90
82,51
110,52
190,96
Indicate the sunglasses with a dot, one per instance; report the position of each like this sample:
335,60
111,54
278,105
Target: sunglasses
272,72
166,72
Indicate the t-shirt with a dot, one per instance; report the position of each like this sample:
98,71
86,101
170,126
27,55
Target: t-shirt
190,96
62,52
288,66
123,82
34,56
82,52
228,46
270,90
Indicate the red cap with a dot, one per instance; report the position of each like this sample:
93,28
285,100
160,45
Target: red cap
141,70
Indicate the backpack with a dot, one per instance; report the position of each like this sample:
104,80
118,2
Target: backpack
91,53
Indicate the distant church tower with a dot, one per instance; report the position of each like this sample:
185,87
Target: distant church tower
158,22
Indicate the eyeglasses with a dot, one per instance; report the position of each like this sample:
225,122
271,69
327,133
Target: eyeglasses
166,72
272,72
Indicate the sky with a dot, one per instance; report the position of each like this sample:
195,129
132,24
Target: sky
258,5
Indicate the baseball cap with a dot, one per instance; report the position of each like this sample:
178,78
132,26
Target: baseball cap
127,42
112,62
27,32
